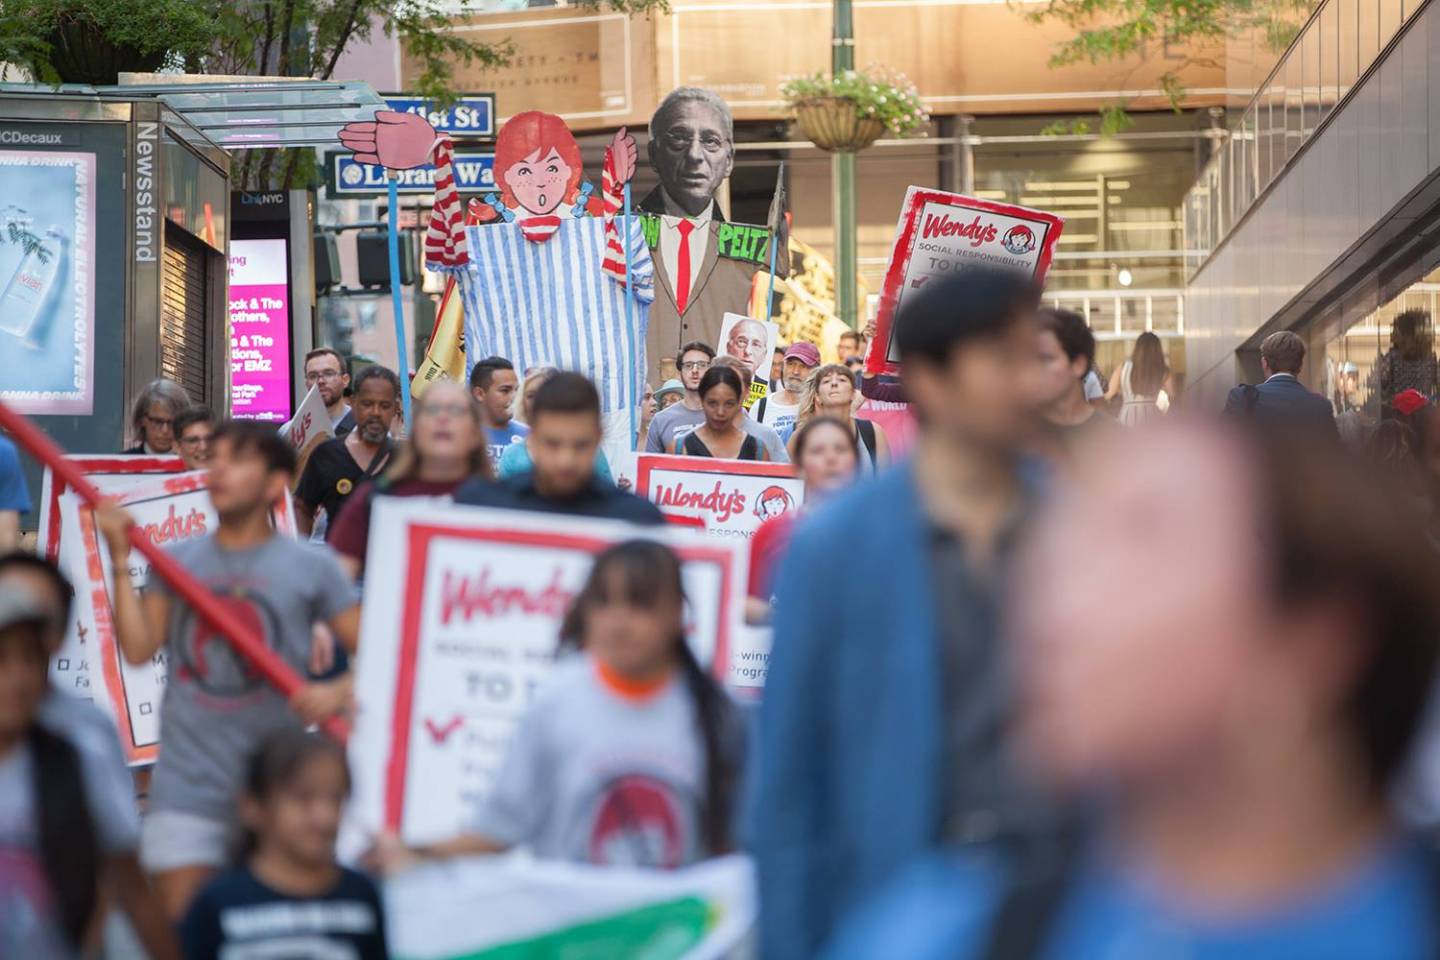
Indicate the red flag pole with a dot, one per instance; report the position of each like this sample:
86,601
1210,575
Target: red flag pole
251,647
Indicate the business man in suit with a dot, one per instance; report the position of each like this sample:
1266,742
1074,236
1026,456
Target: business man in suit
692,148
882,734
1282,399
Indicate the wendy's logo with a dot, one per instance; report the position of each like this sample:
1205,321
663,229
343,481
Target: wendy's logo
1019,240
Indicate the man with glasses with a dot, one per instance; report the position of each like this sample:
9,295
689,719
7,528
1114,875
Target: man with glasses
325,368
193,428
686,415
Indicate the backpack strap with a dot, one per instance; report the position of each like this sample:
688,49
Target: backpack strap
865,430
759,412
1025,918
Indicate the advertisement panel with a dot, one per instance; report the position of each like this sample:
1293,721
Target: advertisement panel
47,281
942,233
460,628
259,330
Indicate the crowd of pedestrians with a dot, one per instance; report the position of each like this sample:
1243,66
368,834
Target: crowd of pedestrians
1044,687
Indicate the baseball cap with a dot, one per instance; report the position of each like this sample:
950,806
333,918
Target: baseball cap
1409,401
806,353
17,606
670,386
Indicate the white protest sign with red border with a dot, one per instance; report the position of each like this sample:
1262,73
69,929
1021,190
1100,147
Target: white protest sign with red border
730,497
461,622
168,510
940,233
110,473
307,429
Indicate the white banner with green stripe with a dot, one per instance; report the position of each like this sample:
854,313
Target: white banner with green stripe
517,908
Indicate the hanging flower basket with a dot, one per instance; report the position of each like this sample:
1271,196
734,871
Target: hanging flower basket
80,52
835,124
851,110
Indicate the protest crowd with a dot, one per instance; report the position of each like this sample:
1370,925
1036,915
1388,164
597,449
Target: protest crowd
1067,669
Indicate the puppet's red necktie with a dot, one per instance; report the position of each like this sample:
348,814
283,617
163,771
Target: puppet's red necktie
682,266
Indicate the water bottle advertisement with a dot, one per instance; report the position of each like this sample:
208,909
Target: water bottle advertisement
47,281
259,330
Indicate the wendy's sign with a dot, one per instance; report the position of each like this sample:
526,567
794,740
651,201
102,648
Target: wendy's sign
941,233
731,497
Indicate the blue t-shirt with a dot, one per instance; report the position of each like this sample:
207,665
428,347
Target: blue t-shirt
502,437
943,909
237,915
14,494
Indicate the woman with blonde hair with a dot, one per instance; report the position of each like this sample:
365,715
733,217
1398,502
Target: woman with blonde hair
1141,382
446,447
830,392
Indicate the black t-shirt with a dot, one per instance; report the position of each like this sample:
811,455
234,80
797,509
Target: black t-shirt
331,474
237,913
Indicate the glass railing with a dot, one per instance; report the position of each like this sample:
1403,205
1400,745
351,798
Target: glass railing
1334,48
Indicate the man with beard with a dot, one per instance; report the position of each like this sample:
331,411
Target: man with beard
325,368
216,711
692,148
779,409
339,466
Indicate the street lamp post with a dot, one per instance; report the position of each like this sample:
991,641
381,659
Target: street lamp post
842,58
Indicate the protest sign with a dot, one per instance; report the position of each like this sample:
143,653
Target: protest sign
941,233
110,473
506,908
309,428
461,621
168,510
753,343
731,497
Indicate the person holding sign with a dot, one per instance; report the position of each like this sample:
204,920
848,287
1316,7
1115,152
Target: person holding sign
632,753
216,711
721,396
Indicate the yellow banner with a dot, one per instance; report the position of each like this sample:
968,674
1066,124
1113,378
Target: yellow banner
445,355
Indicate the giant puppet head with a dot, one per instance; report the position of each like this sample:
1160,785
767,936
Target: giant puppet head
692,148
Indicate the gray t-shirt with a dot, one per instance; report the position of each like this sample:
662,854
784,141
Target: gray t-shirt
217,710
676,421
596,776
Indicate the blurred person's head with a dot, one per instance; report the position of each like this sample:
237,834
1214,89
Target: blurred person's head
447,435
695,358
250,468
25,625
25,573
967,350
525,396
325,370
630,617
849,345
648,404
565,434
801,360
1202,602
152,415
1282,352
1411,334
193,429
1066,351
670,393
777,365
856,365
375,402
827,455
294,794
493,382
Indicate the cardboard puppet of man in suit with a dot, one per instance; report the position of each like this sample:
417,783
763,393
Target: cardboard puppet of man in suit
705,266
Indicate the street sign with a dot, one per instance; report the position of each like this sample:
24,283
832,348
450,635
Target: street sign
472,115
347,177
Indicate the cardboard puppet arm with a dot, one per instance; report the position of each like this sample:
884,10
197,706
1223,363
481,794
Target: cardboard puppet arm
400,141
